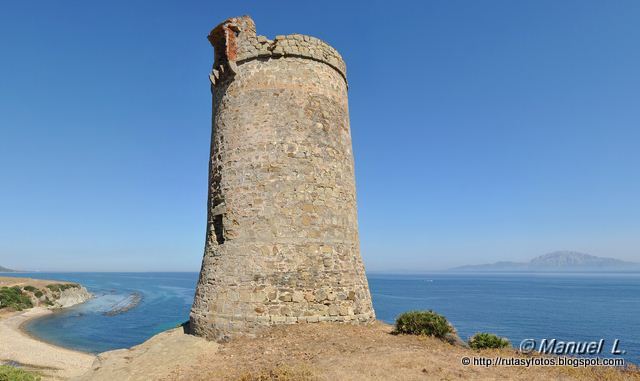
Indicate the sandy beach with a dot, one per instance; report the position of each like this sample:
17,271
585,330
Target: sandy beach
54,363
18,347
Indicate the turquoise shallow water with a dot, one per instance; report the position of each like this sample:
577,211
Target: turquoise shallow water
517,306
91,327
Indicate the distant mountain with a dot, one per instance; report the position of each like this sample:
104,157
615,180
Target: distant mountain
6,270
566,261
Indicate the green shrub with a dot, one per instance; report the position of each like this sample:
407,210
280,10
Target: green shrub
14,297
38,293
488,340
61,287
67,286
29,288
423,323
9,373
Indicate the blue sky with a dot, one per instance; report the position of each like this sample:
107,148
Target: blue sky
483,131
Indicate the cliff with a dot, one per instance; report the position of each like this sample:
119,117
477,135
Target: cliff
319,351
72,296
23,293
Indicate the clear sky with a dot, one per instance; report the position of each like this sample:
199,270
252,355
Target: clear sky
482,130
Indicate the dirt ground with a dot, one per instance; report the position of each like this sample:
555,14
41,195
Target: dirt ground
324,351
7,281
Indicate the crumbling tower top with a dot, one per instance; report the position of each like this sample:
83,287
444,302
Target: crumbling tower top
235,42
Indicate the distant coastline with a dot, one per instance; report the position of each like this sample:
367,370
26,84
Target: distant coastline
556,262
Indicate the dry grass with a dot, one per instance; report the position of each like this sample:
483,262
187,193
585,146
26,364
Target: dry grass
346,352
602,373
280,373
323,352
7,281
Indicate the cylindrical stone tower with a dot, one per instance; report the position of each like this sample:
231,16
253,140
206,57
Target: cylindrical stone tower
282,234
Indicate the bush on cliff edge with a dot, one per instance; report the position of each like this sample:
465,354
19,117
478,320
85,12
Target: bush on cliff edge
423,323
61,287
488,341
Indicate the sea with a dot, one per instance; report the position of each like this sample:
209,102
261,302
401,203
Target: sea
129,308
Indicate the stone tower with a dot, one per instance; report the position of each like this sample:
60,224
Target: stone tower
282,235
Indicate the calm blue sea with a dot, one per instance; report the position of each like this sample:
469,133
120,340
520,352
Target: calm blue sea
517,306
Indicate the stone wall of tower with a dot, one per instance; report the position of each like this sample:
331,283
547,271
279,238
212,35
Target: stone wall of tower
282,236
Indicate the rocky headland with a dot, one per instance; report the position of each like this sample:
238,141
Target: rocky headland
21,293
